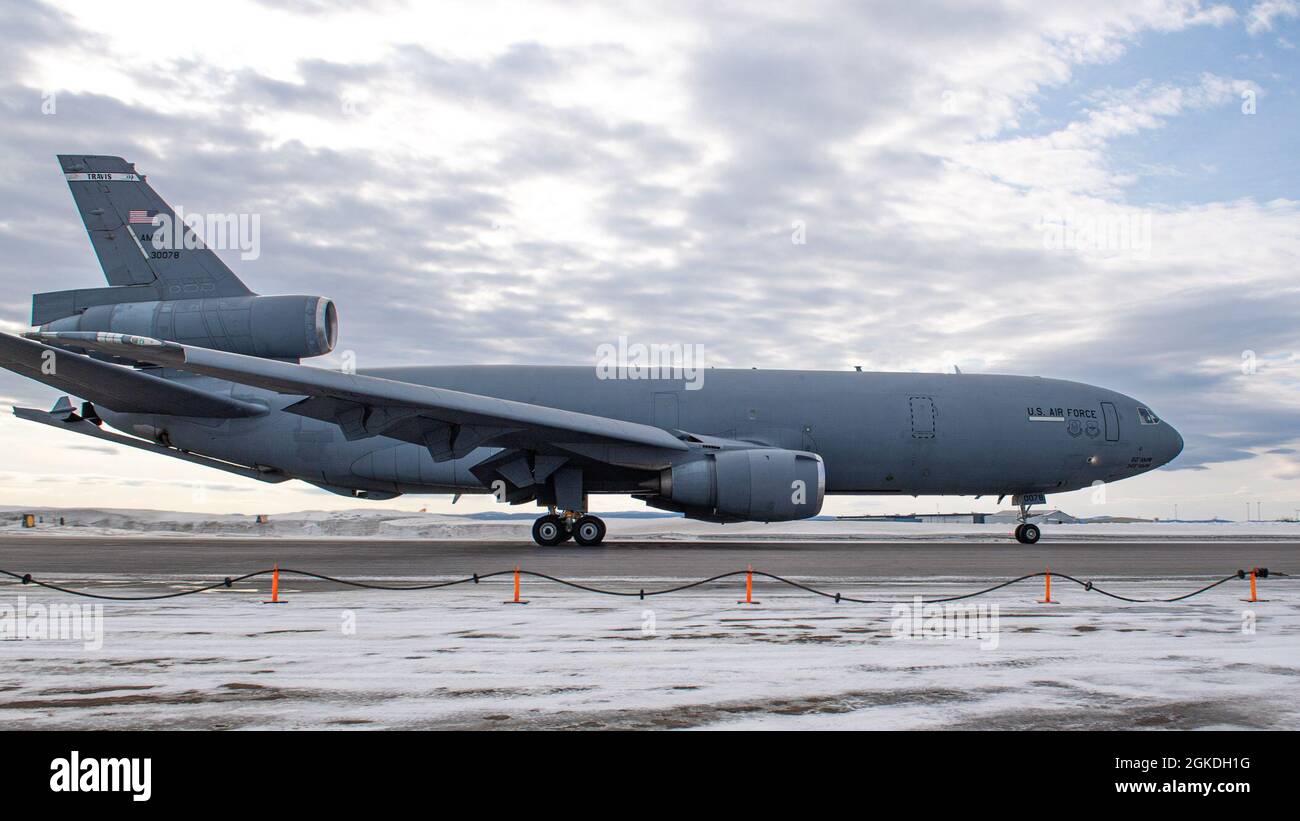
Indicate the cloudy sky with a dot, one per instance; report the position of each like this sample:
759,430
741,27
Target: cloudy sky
490,182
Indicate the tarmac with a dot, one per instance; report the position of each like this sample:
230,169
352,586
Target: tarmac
189,556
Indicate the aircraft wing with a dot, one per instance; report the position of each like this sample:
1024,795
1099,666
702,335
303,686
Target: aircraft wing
115,387
449,423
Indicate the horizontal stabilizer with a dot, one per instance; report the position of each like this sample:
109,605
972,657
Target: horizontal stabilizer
60,418
116,387
53,305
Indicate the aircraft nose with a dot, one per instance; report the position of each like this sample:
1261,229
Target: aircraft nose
1173,444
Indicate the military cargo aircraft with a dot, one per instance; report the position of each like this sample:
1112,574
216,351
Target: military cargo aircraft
177,356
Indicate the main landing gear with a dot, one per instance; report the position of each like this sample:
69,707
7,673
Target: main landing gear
555,528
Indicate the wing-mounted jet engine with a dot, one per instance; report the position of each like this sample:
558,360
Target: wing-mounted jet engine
749,485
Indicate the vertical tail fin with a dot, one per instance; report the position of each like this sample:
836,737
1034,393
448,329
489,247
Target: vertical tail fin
118,207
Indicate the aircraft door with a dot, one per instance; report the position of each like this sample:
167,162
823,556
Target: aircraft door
922,413
665,411
1112,421
809,443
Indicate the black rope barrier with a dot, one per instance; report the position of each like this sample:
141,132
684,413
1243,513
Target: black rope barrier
641,593
26,578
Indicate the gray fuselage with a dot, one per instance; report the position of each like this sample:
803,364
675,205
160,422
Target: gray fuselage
878,433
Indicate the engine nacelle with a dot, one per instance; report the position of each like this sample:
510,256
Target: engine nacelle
756,485
287,327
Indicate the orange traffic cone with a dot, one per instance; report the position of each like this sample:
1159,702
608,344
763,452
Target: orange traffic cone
749,586
1254,596
275,588
1047,592
516,599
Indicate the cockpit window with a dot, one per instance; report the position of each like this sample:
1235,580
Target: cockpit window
1147,417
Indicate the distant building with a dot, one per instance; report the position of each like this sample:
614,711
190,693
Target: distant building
952,518
921,518
1046,517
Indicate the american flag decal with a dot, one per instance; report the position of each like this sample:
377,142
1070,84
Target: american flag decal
145,217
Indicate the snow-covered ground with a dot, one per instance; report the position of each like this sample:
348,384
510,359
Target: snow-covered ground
459,658
393,524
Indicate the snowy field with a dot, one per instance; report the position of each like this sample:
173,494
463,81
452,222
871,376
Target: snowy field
393,524
459,658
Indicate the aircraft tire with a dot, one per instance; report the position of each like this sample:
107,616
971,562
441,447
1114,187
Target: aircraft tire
1029,534
549,530
589,531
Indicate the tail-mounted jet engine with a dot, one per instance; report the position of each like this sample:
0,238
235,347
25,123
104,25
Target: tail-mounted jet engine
282,327
756,485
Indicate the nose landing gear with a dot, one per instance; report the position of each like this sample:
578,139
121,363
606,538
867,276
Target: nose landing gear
555,528
1025,532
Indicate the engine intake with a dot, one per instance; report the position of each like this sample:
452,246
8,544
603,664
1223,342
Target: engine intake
756,485
283,327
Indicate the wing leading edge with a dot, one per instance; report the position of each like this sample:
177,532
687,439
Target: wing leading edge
449,423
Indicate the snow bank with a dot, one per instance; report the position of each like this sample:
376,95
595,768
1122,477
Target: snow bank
457,658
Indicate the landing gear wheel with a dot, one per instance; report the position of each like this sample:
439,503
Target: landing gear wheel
549,530
589,531
1028,534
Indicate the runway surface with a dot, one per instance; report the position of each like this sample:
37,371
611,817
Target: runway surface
115,556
